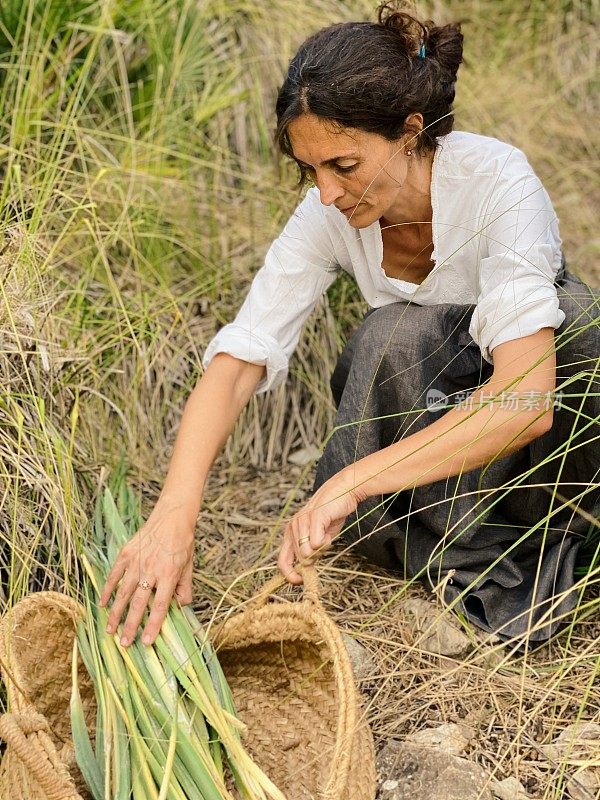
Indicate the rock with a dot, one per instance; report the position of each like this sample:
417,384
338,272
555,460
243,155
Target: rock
578,742
448,738
363,663
442,637
415,772
509,789
303,457
584,784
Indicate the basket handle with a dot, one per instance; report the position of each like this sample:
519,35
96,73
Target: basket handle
15,728
312,587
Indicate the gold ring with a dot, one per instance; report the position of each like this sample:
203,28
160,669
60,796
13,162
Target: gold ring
304,539
144,584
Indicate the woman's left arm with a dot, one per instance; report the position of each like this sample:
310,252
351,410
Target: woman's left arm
509,410
513,323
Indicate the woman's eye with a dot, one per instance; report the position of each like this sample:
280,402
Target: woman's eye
341,169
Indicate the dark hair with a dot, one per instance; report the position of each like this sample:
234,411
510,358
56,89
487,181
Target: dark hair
368,75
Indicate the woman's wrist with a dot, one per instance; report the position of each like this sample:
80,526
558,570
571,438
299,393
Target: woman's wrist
354,479
370,476
184,508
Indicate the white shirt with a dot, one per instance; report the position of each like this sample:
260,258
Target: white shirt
496,244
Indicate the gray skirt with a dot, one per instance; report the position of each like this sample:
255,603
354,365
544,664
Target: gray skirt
502,540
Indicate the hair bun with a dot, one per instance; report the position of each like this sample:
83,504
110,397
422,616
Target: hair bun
369,76
443,43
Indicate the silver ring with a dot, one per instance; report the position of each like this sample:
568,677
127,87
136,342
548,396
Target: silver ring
144,584
304,539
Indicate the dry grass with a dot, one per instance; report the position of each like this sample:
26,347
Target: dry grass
128,236
516,703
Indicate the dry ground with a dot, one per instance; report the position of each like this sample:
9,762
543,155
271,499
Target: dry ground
515,703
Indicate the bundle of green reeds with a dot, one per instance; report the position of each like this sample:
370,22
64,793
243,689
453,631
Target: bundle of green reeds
166,724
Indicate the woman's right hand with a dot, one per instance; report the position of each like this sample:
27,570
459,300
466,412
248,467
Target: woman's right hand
161,552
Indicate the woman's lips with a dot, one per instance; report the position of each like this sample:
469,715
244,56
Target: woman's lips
349,210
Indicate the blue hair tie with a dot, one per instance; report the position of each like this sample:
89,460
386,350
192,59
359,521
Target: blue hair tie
421,53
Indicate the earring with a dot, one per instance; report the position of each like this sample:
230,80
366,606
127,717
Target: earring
409,152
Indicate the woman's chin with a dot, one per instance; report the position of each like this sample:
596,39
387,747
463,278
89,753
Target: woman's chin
357,216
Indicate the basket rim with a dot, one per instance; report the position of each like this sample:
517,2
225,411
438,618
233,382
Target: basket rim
10,671
238,627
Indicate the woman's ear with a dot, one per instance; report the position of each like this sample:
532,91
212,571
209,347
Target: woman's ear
413,125
414,121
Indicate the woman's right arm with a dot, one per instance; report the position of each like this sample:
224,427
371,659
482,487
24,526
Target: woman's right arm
299,267
162,550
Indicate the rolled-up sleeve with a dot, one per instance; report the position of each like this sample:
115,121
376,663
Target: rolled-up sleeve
519,258
298,269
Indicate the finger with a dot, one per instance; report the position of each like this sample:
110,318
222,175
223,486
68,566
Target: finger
295,535
137,606
324,547
183,590
310,534
320,535
286,560
114,576
160,608
124,592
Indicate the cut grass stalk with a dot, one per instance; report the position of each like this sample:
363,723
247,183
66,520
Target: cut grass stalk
167,716
164,786
81,740
189,769
143,762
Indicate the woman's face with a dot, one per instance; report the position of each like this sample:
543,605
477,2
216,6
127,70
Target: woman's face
362,174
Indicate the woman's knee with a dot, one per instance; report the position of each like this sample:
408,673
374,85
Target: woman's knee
580,304
405,327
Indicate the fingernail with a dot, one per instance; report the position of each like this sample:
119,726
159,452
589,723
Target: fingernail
109,629
146,639
124,640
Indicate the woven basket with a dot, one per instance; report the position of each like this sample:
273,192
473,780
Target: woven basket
292,682
287,667
36,650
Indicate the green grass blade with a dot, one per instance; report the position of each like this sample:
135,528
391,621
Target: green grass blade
84,754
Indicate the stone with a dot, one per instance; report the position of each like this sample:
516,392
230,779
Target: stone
442,637
450,738
416,772
363,663
578,742
584,784
305,456
509,789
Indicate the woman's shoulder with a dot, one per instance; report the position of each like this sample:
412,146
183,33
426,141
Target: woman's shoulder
310,210
313,231
310,215
465,154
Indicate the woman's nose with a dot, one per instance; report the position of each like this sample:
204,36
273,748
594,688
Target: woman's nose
329,189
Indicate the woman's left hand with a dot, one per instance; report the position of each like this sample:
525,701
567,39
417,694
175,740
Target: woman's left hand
318,523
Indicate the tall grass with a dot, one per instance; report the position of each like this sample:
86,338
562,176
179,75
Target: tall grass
139,194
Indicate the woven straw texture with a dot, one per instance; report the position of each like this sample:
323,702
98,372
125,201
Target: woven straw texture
289,674
292,683
36,646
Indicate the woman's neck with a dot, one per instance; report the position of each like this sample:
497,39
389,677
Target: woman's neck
413,204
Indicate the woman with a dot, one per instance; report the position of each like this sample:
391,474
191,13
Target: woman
454,244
